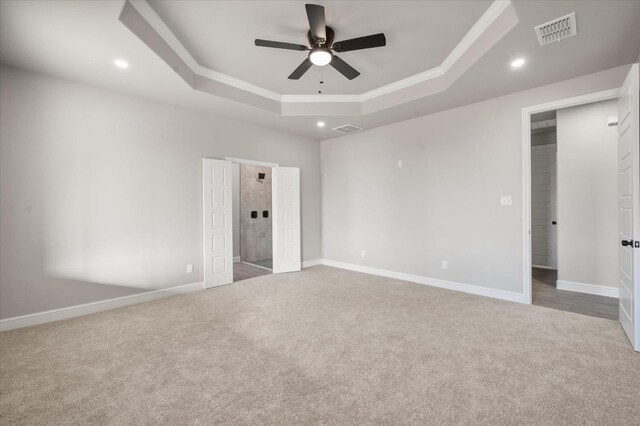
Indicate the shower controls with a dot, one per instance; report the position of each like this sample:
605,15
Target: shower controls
254,214
265,213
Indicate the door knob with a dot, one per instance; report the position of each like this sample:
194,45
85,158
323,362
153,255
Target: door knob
626,243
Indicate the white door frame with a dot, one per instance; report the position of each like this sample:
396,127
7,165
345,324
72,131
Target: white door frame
253,162
526,171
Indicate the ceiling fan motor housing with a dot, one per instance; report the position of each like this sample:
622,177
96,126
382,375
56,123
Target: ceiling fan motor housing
318,42
321,45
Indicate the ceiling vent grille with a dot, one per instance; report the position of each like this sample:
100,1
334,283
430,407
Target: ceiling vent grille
557,29
347,129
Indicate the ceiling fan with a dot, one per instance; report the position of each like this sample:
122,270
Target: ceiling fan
322,46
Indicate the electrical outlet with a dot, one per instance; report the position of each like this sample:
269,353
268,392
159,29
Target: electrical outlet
190,268
445,264
506,200
363,253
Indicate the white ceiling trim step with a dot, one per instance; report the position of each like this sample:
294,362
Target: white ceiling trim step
491,14
145,23
150,15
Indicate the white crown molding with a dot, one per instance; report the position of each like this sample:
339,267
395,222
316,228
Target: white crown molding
321,98
487,18
143,7
405,90
150,15
234,82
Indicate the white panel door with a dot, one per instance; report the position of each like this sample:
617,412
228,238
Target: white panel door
217,222
286,219
629,184
544,236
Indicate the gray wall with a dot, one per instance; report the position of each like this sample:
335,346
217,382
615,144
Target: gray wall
444,204
588,195
101,193
255,234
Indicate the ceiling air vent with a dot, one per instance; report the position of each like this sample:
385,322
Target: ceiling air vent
557,29
347,128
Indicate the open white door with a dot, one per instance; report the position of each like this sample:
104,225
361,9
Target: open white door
286,219
629,181
217,222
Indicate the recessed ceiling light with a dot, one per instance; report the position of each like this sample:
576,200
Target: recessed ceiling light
121,63
517,63
320,123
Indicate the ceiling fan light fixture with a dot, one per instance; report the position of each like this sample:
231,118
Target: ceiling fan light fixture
322,46
320,56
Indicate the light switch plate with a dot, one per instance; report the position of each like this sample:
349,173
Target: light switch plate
190,268
445,264
400,163
506,200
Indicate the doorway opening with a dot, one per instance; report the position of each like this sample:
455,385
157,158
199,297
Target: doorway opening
574,212
223,246
253,235
571,205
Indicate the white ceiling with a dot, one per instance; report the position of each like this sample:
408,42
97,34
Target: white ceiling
79,40
220,36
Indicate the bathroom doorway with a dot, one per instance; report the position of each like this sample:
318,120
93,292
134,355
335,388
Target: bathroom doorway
255,230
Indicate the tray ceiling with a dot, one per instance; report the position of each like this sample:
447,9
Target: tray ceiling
494,23
220,35
79,40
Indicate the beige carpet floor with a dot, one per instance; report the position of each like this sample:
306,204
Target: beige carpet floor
322,346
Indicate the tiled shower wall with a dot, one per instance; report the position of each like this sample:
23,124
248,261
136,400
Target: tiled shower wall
255,233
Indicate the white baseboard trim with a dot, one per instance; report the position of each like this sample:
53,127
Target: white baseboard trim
93,307
544,267
236,259
434,282
599,290
310,263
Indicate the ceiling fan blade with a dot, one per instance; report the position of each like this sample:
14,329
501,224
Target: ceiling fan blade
302,68
315,13
344,68
280,45
366,42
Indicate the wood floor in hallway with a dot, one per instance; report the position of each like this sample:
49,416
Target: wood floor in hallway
546,294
